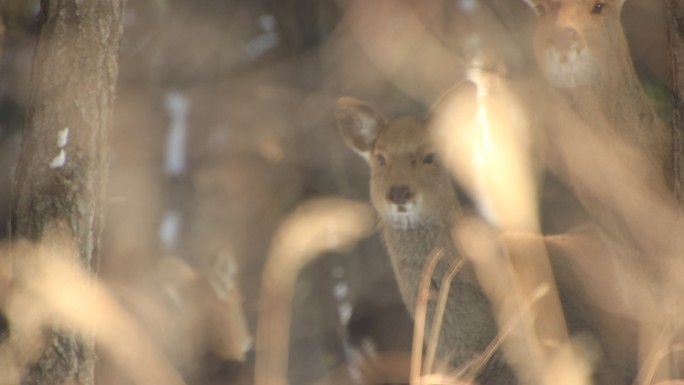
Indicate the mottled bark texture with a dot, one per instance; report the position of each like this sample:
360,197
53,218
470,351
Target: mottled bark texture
62,169
675,21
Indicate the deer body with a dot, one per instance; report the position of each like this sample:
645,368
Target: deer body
417,206
582,51
627,184
600,116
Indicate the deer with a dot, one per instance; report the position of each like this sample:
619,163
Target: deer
483,117
412,192
582,53
413,195
581,49
617,157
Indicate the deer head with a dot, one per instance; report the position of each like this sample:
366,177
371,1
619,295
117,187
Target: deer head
409,187
579,42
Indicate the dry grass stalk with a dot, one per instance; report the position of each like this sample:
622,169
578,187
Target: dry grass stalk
50,289
421,314
317,226
505,331
390,367
654,365
489,155
439,314
442,379
389,48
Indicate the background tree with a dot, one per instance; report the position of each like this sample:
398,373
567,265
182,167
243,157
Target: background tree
675,21
62,167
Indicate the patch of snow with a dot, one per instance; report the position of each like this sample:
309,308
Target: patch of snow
63,137
260,45
344,310
169,229
468,6
59,160
177,106
267,22
340,291
264,42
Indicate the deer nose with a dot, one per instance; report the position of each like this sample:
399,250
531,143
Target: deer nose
399,195
564,39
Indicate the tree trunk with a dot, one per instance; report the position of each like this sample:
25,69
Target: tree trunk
675,21
62,169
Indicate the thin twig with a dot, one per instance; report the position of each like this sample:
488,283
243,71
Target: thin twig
442,379
493,346
421,308
439,314
317,226
657,356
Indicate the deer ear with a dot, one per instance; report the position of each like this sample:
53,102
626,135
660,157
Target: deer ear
359,124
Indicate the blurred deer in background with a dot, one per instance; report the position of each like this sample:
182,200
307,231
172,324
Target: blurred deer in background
616,155
582,51
483,136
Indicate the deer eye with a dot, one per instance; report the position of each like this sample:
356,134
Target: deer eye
540,9
380,160
598,8
429,158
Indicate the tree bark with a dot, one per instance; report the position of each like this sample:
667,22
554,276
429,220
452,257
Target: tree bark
675,22
62,169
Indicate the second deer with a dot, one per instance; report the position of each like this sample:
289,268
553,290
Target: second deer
416,203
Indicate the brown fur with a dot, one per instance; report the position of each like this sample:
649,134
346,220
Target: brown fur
598,77
617,157
401,155
582,51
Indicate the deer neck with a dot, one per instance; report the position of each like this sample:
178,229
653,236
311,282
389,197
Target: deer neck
415,244
409,250
618,105
618,97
